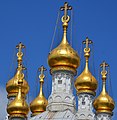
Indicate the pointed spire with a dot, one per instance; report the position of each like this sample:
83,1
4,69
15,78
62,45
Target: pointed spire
65,19
38,105
18,108
41,76
20,46
104,75
87,51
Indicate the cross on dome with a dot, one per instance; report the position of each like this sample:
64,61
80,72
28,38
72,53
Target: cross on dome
42,69
65,8
20,46
87,42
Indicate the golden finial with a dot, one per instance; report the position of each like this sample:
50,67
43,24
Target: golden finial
65,19
38,105
18,108
86,82
87,50
64,57
104,103
20,46
104,72
104,75
12,85
41,76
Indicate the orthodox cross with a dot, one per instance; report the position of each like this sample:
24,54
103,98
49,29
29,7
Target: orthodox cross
65,8
104,65
42,69
20,46
87,42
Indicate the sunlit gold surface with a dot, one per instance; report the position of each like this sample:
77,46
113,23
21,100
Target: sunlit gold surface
12,85
104,103
86,82
64,54
18,107
38,105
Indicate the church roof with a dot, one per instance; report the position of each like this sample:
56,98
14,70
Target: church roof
63,115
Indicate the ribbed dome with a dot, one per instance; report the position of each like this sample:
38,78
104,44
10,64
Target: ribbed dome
64,57
86,82
12,85
18,107
104,103
38,105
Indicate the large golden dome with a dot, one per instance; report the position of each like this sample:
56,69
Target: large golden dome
104,103
38,105
86,82
18,107
12,85
64,57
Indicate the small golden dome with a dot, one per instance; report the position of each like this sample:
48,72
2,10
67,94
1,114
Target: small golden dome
38,105
18,107
12,85
104,103
86,82
64,57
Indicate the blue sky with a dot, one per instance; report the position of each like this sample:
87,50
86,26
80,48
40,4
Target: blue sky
33,22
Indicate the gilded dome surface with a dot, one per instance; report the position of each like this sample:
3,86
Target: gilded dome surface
64,55
12,85
86,82
38,105
104,103
18,107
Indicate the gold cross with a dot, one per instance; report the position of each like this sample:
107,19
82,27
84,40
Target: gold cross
20,46
104,65
65,8
87,42
42,69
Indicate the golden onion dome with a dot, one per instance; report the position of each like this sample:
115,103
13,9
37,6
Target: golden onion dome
18,107
12,85
86,82
104,103
38,105
64,57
